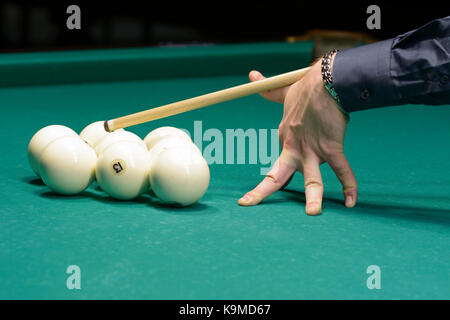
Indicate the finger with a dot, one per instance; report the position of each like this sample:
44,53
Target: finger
287,182
274,180
313,187
276,95
344,172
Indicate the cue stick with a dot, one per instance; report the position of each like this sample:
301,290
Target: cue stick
239,91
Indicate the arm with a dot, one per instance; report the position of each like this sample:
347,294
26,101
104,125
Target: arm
411,68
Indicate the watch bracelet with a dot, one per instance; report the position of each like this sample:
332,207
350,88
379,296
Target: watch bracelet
328,79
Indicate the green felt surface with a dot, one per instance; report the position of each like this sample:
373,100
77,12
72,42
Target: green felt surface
66,67
216,249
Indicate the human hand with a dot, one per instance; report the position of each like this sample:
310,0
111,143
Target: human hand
311,132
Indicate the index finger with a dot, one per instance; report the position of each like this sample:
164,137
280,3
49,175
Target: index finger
274,180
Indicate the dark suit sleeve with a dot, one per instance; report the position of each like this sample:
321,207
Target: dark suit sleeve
411,68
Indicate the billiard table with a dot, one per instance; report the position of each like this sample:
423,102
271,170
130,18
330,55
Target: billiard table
215,249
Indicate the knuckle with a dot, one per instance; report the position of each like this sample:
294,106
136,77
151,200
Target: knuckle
313,183
325,149
342,172
351,187
297,126
290,143
281,126
281,136
272,179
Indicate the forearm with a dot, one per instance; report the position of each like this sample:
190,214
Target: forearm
411,68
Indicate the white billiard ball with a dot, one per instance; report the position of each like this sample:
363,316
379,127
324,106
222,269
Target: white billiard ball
41,139
94,132
117,136
179,175
170,142
67,165
161,133
123,169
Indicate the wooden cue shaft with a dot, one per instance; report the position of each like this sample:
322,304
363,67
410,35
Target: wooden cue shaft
239,91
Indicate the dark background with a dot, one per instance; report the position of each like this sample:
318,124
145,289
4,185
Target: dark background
41,25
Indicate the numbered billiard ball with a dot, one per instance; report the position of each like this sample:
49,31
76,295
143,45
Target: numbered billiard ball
117,136
94,132
179,175
161,133
67,165
41,139
123,169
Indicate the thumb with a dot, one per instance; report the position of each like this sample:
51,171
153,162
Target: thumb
275,95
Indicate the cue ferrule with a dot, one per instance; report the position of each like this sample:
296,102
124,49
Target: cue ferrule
108,128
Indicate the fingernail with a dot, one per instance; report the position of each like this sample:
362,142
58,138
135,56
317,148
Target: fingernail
245,200
313,208
349,201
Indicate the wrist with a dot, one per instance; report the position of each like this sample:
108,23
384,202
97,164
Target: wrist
327,64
